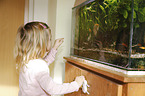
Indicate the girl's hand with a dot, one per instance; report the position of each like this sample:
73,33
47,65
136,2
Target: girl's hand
57,43
80,80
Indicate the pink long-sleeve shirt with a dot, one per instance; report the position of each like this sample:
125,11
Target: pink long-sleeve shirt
36,81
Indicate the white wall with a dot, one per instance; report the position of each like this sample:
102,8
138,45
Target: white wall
41,10
63,29
37,10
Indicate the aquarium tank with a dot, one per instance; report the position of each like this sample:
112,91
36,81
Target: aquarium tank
111,32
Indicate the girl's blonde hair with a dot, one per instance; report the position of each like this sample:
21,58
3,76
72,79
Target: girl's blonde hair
33,40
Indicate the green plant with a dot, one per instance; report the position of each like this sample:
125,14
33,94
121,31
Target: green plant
110,14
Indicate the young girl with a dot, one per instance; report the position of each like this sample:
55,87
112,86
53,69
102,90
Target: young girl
33,55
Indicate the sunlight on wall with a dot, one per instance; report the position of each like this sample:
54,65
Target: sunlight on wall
9,90
63,30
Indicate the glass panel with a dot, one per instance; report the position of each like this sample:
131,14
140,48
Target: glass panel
138,45
101,32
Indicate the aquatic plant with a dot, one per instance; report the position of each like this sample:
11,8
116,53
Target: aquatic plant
113,13
108,22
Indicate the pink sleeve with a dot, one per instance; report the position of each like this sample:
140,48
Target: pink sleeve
51,56
47,83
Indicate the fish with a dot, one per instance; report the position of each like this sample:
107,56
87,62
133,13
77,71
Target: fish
90,30
95,29
137,45
89,37
124,44
142,47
